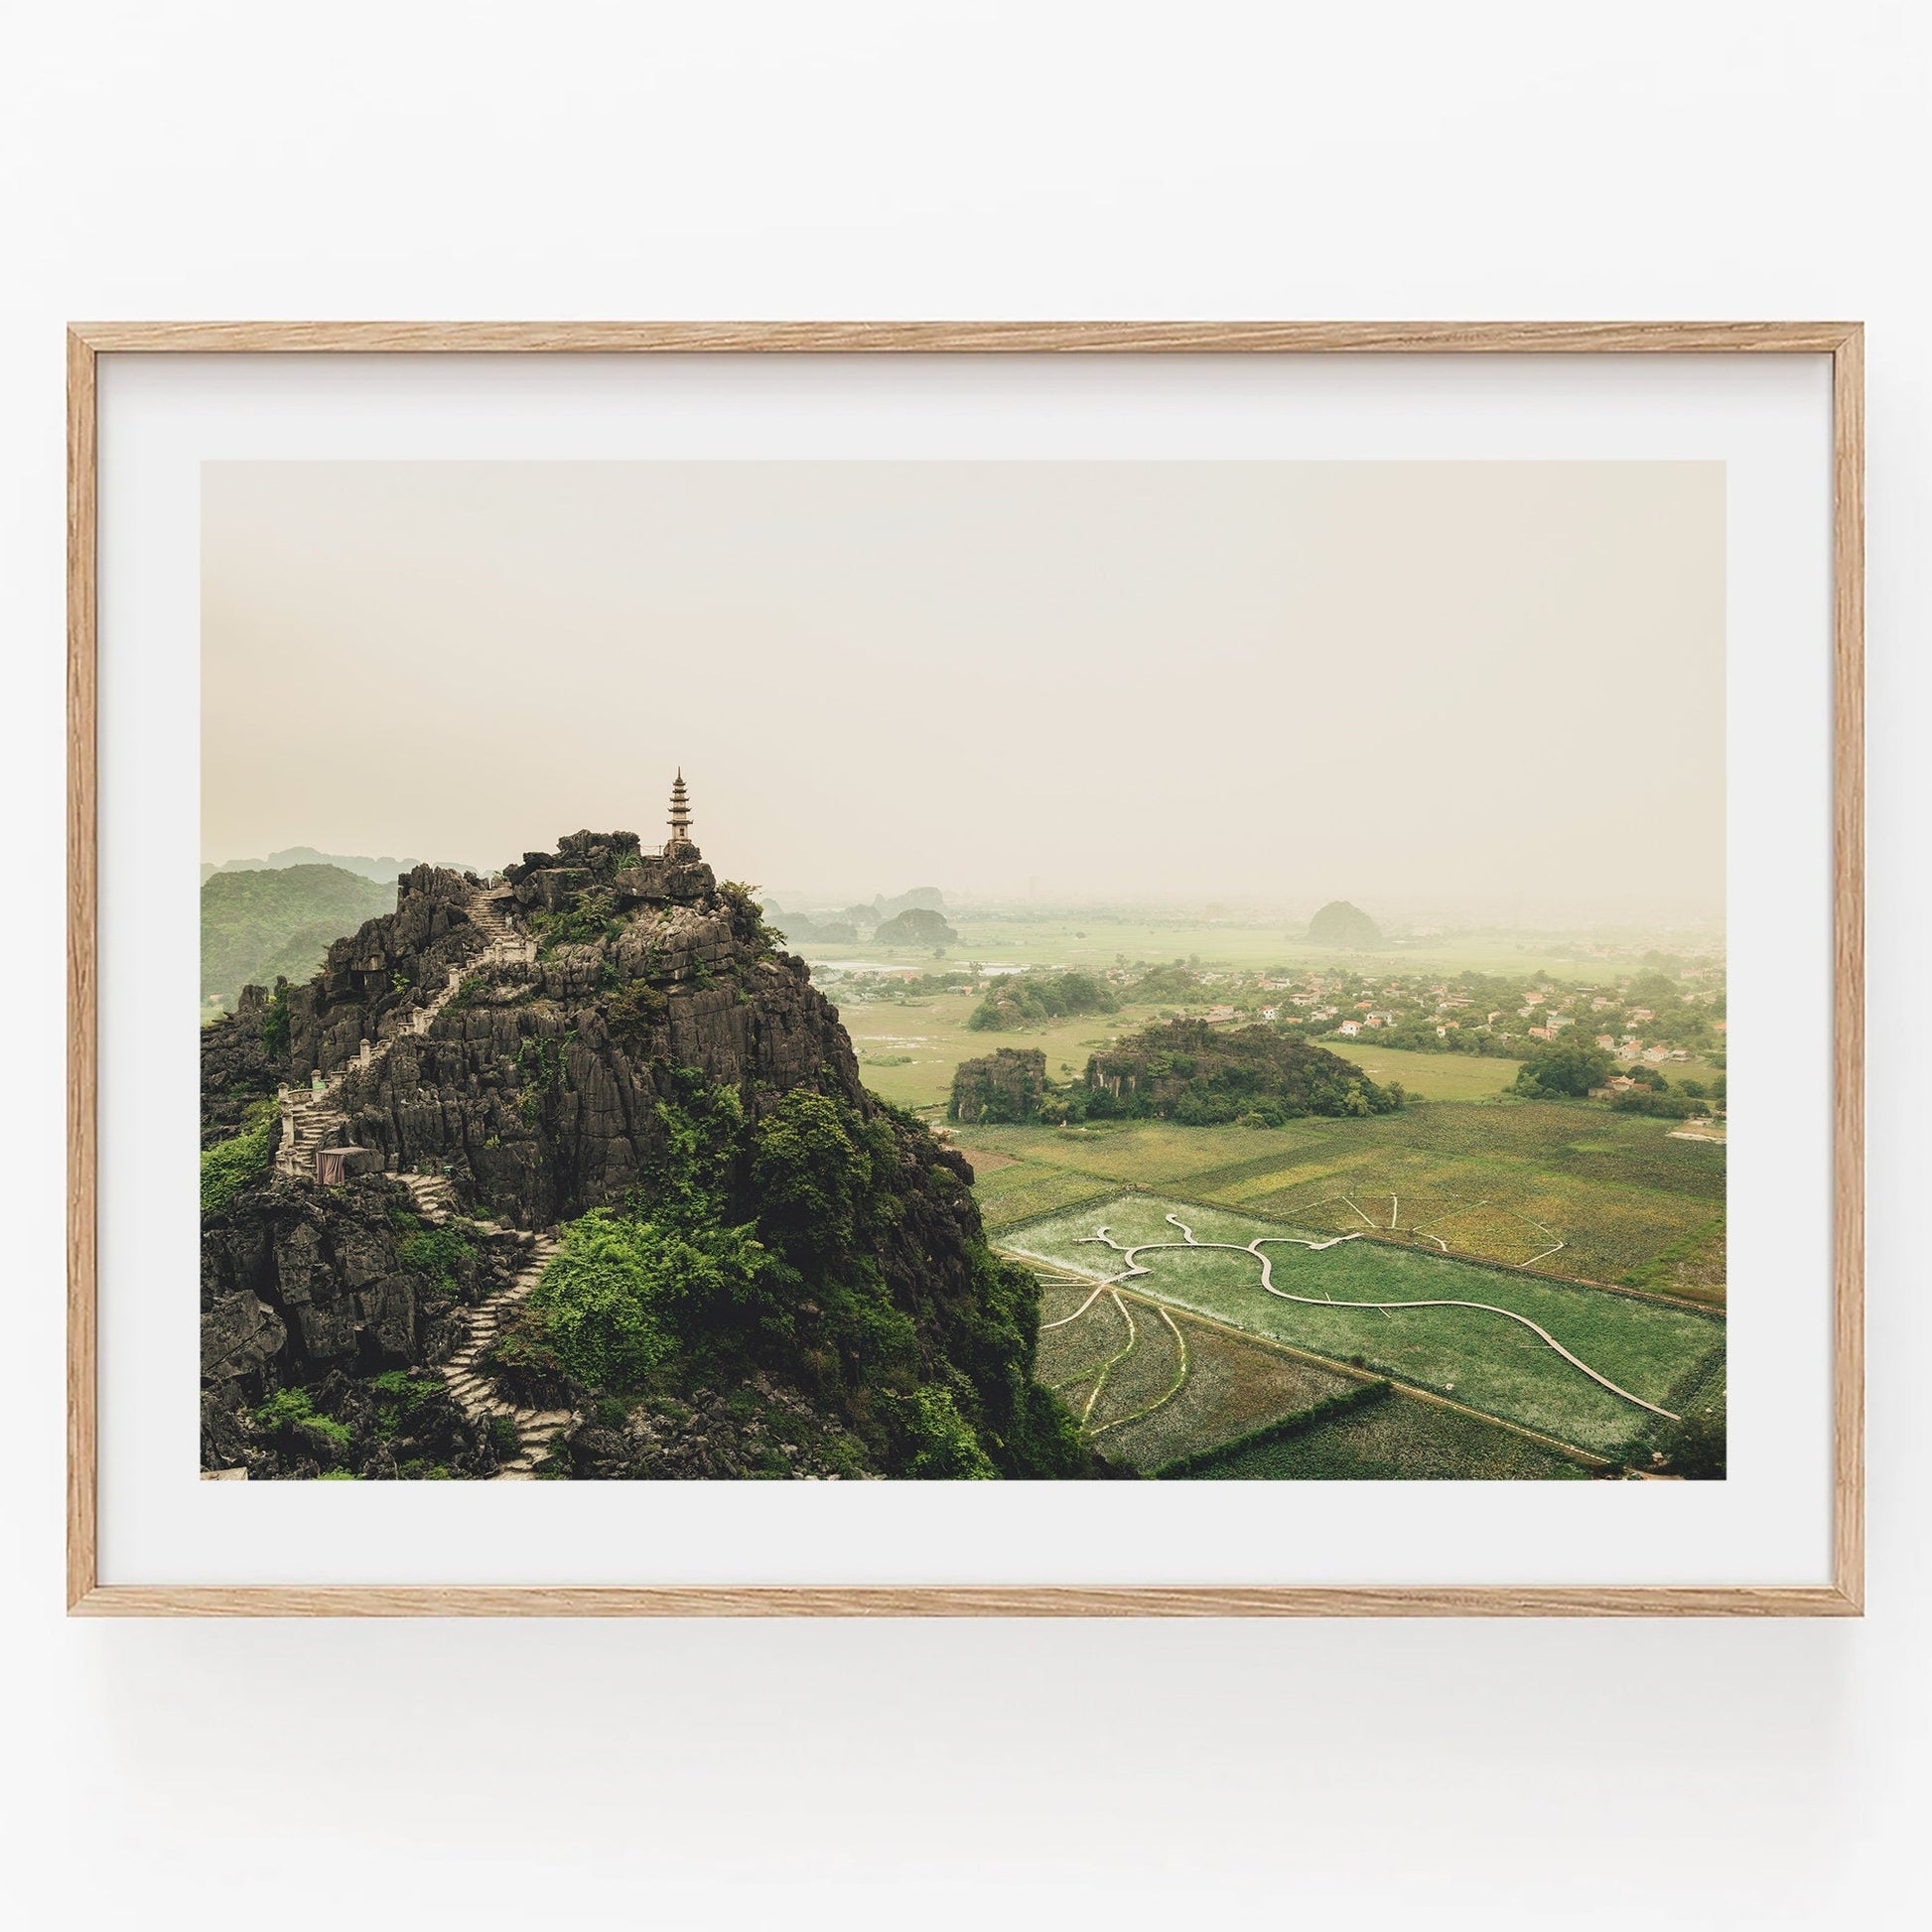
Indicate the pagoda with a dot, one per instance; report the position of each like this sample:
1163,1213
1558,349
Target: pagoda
679,845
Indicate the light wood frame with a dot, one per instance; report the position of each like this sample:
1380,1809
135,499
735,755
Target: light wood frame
1841,341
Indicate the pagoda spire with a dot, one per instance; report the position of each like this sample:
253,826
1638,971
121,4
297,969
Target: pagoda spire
681,815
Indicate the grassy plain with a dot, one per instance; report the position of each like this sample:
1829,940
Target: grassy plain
1481,1359
1615,1189
1401,1440
1429,1076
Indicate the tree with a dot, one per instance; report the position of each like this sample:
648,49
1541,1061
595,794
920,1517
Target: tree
1566,1066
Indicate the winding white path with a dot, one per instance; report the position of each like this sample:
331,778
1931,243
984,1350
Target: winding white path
1254,1247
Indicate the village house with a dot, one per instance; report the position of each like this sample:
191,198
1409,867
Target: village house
1349,1027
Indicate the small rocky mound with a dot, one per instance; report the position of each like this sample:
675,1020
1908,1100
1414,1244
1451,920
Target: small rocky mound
1004,1085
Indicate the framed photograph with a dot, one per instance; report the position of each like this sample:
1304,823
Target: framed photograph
965,968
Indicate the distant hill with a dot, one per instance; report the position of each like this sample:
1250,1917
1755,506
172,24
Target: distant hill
258,924
916,927
1340,925
386,869
920,899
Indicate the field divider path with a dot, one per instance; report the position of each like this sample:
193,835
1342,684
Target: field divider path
1254,1247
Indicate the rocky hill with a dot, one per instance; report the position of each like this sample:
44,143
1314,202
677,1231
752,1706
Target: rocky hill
742,1261
1203,1076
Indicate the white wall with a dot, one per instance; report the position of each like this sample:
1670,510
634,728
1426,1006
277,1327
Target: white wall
1006,157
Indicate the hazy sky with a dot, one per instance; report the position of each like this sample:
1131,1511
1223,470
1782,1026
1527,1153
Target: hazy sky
1485,686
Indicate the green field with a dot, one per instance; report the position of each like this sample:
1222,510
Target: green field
1483,1360
1429,1076
1615,1189
1404,1438
1154,1404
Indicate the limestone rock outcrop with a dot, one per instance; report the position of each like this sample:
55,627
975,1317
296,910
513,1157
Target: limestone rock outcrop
1004,1085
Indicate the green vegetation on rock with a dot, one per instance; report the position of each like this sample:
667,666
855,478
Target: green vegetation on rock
1006,1085
240,1161
787,1245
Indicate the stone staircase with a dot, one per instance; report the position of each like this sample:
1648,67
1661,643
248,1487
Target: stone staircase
489,910
311,1119
309,1122
470,1383
432,1197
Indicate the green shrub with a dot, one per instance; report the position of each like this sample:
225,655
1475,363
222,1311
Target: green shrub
612,1296
240,1161
591,917
632,1012
275,1022
291,1412
398,1388
525,1367
939,1442
504,1440
438,1252
1563,1068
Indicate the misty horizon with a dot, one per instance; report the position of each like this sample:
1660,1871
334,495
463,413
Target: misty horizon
1399,915
1445,692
